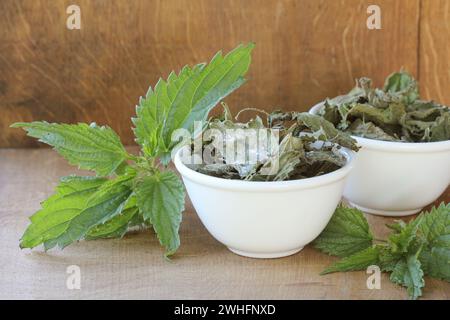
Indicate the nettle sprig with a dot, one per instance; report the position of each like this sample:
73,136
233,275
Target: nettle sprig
413,250
130,190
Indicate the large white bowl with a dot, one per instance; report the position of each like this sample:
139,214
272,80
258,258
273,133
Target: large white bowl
397,178
265,219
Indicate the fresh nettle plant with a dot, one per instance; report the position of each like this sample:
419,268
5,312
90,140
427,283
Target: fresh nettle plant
130,190
393,113
413,250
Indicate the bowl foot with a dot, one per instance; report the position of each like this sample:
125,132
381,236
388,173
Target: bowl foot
386,213
271,255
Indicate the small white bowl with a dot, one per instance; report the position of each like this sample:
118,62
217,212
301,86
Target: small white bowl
265,219
397,178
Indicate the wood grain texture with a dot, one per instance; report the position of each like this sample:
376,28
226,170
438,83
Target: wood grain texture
435,51
134,267
306,50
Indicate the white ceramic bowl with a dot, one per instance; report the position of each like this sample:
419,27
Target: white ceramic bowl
265,219
397,178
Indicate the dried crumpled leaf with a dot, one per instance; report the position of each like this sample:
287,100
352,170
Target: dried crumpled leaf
369,130
389,116
441,128
321,128
282,164
307,146
394,113
216,170
402,85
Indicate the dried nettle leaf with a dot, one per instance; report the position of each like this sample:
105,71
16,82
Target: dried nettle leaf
394,113
307,146
369,130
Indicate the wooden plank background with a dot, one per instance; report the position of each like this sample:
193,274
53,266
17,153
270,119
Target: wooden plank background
434,50
305,51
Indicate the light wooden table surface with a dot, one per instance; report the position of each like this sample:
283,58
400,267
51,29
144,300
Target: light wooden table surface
134,267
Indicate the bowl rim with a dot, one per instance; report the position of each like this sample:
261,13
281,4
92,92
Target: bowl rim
267,186
394,146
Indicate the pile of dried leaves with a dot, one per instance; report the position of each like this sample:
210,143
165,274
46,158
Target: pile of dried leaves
394,113
305,146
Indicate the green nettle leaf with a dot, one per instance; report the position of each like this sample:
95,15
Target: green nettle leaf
90,147
357,261
409,274
388,259
117,226
401,241
137,193
160,198
435,226
435,255
346,233
52,220
414,249
397,226
132,190
436,262
106,203
187,97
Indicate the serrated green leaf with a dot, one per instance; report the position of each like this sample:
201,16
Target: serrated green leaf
346,233
160,198
90,147
388,260
435,226
400,242
409,274
187,97
436,262
106,203
115,227
357,261
420,247
397,226
435,255
152,110
70,199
